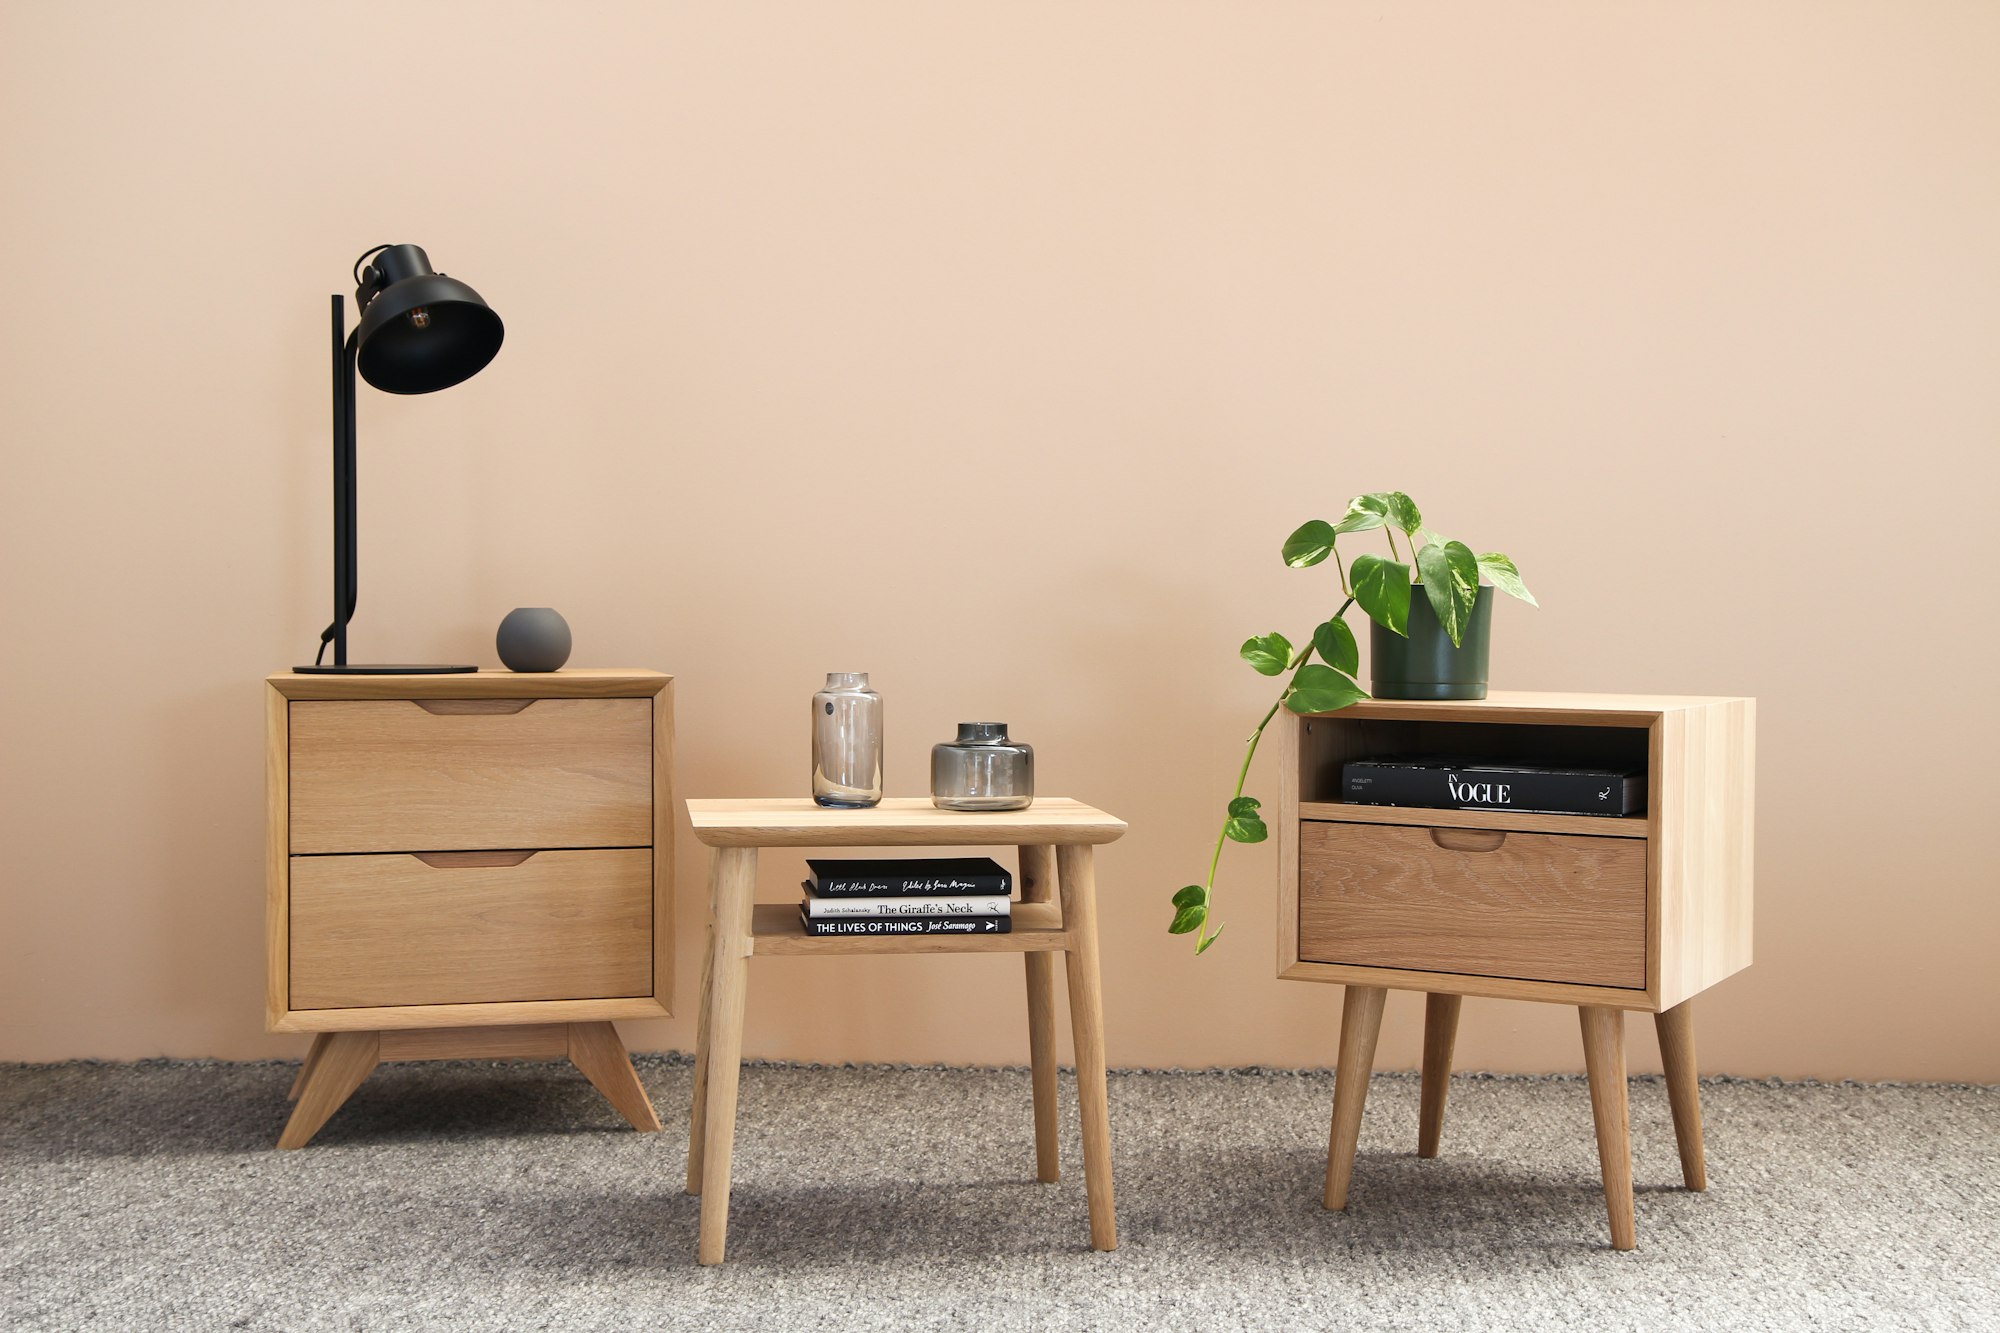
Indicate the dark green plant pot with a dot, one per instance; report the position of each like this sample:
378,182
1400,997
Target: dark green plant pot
1425,665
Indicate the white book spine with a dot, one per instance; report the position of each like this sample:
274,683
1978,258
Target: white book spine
987,905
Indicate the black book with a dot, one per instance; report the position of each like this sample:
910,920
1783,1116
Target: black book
932,876
1447,782
905,925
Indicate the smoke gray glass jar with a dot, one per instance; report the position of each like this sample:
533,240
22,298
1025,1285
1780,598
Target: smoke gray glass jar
847,742
982,770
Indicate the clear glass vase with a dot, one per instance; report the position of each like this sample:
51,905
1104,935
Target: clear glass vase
847,742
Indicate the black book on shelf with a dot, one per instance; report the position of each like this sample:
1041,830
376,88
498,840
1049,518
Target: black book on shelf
905,925
1456,782
929,876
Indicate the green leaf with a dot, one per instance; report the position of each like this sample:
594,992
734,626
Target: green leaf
1451,581
1188,918
1364,513
1190,896
1334,642
1271,654
1321,689
1382,587
1398,508
1311,544
1202,948
1244,824
1500,572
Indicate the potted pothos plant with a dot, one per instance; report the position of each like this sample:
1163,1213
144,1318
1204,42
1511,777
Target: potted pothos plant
1429,647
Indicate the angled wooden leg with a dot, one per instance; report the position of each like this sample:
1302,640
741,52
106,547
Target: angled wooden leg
1440,1035
1038,885
1360,1024
348,1059
1604,1057
1086,1016
1676,1029
734,888
313,1055
597,1050
698,1122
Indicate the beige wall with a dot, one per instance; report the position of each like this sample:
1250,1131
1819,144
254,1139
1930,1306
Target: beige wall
993,349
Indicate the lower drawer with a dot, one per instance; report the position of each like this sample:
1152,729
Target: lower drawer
399,929
1536,906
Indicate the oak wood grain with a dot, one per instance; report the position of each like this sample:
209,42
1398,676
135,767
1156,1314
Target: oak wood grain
391,930
572,683
1537,907
1037,881
1078,887
1360,1026
388,776
905,821
1604,1059
529,1041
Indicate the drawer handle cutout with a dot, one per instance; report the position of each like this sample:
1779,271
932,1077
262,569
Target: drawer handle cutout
464,707
470,860
1468,839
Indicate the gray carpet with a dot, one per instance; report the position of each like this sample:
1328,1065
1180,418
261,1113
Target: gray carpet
510,1196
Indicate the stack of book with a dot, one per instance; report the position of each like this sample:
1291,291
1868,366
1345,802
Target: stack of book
911,896
1447,782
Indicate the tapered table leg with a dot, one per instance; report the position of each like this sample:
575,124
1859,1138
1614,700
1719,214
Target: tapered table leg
344,1064
1604,1057
1440,1035
698,1122
1676,1030
1086,1013
1038,885
735,884
1360,1025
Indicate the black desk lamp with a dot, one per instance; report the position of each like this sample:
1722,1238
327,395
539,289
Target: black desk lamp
420,332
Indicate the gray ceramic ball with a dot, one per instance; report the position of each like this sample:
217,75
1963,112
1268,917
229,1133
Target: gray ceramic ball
533,638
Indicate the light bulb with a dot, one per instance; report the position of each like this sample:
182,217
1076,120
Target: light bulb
420,318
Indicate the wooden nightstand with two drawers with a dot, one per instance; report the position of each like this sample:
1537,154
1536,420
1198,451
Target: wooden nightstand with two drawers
467,866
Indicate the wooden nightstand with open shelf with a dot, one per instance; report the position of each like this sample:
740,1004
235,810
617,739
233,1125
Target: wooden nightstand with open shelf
1608,913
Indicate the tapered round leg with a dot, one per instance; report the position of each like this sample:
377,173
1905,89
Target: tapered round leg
1360,1024
698,1121
1038,885
1676,1029
1604,1057
735,888
1440,1035
1086,1015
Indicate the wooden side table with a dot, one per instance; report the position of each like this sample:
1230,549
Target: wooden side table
467,866
1055,837
1609,914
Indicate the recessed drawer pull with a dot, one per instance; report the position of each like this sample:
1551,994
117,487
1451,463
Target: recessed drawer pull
470,860
1468,839
463,707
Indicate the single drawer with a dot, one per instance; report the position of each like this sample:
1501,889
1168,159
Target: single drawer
467,928
1536,906
400,775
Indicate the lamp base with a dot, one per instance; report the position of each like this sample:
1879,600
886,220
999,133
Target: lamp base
388,669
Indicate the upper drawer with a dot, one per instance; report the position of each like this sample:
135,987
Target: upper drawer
452,775
1536,906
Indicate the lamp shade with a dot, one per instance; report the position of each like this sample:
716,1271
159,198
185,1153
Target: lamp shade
420,331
